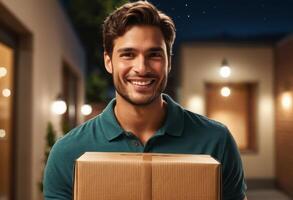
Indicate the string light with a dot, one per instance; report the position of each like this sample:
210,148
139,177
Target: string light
3,71
6,92
2,133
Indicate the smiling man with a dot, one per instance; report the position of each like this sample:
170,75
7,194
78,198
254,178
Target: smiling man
138,43
139,66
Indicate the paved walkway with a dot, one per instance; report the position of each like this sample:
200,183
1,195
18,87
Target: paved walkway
266,195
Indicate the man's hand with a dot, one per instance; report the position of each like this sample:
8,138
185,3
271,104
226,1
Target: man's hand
245,198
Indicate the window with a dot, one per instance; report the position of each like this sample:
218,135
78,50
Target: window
236,111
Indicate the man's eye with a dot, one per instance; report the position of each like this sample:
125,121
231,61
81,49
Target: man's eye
156,55
127,55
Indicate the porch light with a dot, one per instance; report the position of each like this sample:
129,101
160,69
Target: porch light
86,109
59,106
225,70
3,71
286,100
225,91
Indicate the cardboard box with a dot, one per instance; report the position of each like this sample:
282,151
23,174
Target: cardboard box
144,176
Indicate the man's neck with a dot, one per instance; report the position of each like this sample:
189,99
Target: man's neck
142,121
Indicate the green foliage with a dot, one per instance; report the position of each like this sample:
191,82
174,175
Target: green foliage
51,135
92,12
50,141
96,88
65,126
87,17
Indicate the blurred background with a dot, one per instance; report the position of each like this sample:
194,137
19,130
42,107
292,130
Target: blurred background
233,62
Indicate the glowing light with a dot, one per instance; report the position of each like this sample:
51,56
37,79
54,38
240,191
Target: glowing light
59,107
196,104
287,100
225,71
86,109
2,133
225,91
6,92
3,71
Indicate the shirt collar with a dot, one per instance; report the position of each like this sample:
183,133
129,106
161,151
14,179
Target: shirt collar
109,123
173,124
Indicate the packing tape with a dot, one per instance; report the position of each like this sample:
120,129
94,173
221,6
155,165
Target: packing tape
153,154
146,179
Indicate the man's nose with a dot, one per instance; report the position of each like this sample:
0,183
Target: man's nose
141,65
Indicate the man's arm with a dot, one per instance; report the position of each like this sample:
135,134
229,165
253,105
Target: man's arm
234,186
58,175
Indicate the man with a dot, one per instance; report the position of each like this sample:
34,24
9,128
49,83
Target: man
138,43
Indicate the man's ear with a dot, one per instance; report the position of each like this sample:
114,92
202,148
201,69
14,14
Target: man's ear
108,62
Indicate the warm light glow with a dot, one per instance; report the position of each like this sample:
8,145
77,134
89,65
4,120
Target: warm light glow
225,91
2,133
59,107
86,109
287,100
3,71
196,104
225,71
6,92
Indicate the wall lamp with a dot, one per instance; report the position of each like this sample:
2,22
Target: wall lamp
86,109
59,106
287,97
225,70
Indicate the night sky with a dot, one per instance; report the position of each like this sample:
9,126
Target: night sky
238,18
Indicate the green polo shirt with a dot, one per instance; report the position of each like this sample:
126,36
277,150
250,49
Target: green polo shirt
183,132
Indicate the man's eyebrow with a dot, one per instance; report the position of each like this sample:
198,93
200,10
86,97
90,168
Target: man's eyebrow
125,50
129,49
156,49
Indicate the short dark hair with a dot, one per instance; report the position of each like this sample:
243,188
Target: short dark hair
137,13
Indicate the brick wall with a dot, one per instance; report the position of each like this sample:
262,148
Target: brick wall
284,117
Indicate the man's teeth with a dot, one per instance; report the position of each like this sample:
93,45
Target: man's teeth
141,83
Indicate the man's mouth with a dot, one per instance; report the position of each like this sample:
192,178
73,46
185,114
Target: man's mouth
141,83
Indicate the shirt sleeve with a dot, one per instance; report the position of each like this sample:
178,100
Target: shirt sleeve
57,176
234,186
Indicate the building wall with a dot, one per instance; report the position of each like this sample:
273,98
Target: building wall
284,116
200,63
52,42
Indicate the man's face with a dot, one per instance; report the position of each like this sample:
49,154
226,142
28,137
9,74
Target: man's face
139,65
